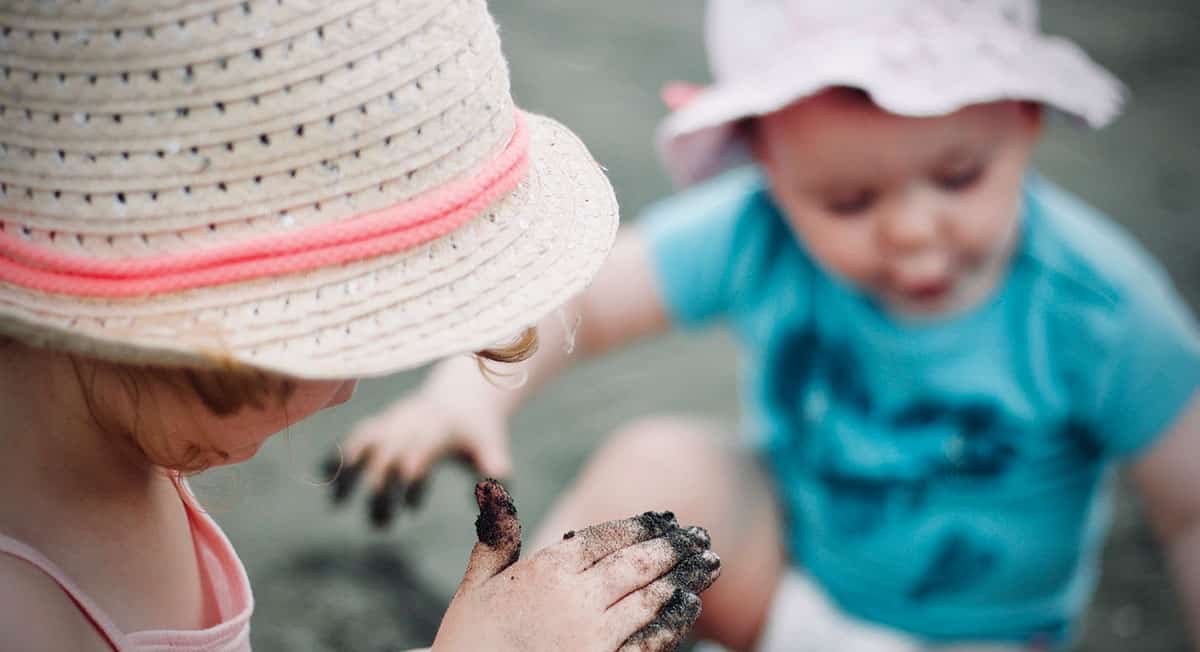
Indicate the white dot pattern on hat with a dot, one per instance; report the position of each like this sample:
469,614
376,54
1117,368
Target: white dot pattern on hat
743,34
914,57
148,128
313,111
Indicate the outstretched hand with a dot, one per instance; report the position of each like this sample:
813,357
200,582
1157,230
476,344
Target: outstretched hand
624,585
392,452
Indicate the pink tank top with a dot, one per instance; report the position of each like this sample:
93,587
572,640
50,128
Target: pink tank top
224,579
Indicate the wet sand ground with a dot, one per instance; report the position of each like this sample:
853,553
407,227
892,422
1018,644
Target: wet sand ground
325,582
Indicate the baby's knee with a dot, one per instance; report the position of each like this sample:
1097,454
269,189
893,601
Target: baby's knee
664,442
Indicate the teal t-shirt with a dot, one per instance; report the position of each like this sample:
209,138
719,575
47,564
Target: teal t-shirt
946,478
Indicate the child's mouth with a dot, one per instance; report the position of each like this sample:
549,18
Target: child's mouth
928,292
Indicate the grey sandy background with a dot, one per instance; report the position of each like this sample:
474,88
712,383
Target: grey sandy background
325,582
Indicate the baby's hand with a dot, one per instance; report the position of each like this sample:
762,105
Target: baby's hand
624,585
394,450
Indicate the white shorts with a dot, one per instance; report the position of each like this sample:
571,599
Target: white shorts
804,619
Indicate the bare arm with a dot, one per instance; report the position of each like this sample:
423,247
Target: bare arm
621,306
458,410
1168,478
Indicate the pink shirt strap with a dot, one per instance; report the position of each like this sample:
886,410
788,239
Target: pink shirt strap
90,610
225,584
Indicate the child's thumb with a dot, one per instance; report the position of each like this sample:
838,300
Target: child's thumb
491,456
499,533
677,94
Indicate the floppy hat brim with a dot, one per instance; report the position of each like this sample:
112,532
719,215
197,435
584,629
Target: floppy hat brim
503,271
903,75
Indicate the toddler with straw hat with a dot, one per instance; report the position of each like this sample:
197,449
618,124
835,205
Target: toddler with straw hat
214,217
943,354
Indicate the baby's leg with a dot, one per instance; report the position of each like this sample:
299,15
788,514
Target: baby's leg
685,466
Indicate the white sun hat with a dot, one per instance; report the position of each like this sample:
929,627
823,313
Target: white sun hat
914,58
327,189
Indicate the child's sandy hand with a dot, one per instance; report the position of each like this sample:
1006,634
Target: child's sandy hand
624,585
394,450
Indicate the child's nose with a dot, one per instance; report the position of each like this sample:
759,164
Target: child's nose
910,224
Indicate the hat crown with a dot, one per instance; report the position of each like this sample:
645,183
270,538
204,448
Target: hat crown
317,188
743,36
156,125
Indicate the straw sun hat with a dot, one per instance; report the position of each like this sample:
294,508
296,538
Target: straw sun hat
321,188
914,57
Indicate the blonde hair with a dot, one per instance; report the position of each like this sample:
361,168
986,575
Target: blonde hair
520,350
225,389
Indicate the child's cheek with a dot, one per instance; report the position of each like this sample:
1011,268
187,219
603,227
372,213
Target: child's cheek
842,246
995,217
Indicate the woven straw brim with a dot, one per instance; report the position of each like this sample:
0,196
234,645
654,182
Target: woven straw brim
474,288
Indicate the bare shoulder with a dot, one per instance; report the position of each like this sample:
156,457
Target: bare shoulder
38,615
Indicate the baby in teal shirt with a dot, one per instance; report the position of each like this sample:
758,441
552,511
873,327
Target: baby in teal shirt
944,355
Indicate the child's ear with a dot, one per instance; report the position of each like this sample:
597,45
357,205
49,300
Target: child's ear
751,130
1034,115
